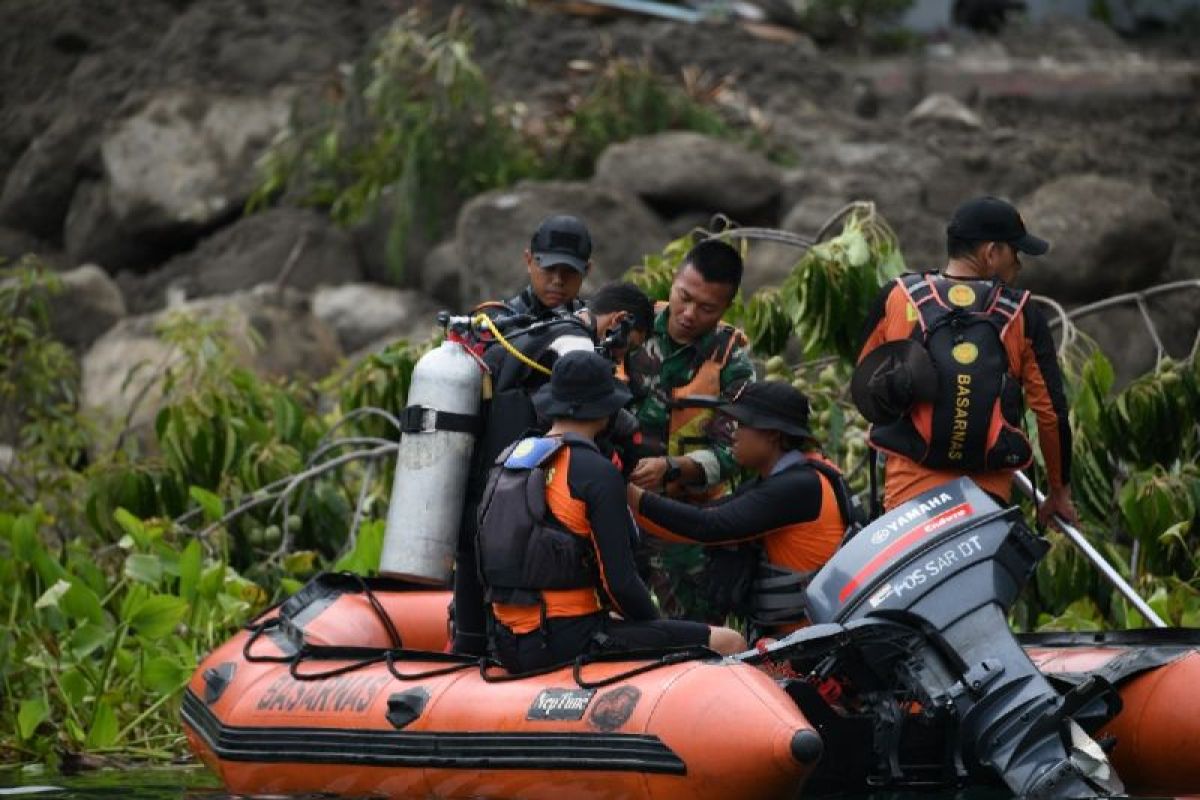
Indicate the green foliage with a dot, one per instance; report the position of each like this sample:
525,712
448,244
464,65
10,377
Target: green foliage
628,100
95,643
121,571
39,387
415,129
415,122
825,298
1136,484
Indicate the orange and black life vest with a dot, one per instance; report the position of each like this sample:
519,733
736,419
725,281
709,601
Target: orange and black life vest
687,423
973,426
522,549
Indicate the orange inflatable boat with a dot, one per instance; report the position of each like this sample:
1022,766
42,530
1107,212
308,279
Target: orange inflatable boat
348,717
1156,735
1156,672
909,677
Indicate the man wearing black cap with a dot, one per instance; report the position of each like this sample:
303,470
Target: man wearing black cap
797,510
556,538
558,259
949,359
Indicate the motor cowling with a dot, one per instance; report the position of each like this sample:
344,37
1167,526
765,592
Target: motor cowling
438,430
947,566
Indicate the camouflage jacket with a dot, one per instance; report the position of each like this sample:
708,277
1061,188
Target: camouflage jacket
661,366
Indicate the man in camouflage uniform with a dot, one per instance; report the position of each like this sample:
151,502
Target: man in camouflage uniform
686,448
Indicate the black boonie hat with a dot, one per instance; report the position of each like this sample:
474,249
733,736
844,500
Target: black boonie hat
891,378
582,386
773,406
562,239
989,219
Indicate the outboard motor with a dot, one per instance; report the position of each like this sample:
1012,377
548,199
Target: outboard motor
914,606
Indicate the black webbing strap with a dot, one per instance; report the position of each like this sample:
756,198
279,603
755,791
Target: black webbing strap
419,419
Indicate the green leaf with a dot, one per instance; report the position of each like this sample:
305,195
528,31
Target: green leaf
83,603
213,507
164,675
144,568
368,547
133,527
301,563
32,713
24,538
75,686
290,585
212,580
157,615
54,595
103,732
86,639
191,560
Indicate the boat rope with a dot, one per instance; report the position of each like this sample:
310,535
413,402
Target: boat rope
664,660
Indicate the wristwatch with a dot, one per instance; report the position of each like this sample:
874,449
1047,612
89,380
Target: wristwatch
673,473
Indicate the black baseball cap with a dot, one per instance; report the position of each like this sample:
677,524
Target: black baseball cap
989,219
562,239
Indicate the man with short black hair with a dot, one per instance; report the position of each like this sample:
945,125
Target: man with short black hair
986,347
686,447
558,259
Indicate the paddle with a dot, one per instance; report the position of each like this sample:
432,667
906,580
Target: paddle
1093,555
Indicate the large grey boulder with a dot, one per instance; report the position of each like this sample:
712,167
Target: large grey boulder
89,305
123,369
494,230
1106,235
180,164
38,189
682,170
441,275
300,247
362,313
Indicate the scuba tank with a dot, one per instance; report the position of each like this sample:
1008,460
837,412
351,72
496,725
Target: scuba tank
438,429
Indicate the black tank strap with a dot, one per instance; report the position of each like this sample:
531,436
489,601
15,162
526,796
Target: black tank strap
421,419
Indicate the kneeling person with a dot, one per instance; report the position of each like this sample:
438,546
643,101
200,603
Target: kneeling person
556,538
797,509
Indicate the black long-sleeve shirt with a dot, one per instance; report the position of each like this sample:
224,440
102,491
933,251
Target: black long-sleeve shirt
793,510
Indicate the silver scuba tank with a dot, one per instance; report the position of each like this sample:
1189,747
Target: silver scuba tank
439,428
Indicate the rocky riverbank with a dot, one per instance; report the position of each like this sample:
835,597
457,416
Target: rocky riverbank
129,138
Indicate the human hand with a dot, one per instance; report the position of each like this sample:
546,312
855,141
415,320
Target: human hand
649,473
1058,503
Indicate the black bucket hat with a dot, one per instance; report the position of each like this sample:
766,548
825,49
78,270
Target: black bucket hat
891,378
582,386
773,406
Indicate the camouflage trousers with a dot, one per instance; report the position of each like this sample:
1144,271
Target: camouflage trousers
704,584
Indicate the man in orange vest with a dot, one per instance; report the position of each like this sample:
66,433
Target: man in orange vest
950,358
796,510
685,451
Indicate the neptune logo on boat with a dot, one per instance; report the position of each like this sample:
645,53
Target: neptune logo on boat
559,704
